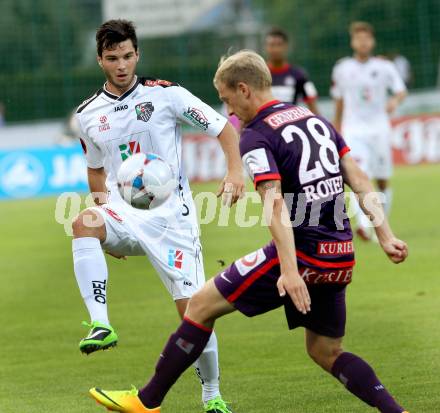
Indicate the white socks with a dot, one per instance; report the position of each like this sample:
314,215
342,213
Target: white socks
208,371
91,275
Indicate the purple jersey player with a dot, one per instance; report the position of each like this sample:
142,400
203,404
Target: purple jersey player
299,164
290,83
278,145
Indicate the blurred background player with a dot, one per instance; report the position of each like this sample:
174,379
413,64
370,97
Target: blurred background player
403,66
127,115
361,88
290,83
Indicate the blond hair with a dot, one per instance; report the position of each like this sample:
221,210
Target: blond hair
356,27
244,66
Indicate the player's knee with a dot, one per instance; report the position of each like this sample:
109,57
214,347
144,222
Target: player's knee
198,309
314,353
87,223
324,356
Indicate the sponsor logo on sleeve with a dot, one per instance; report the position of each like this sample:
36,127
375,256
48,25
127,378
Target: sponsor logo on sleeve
246,264
256,162
144,111
197,118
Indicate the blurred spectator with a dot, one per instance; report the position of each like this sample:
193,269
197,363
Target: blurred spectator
290,83
403,66
2,114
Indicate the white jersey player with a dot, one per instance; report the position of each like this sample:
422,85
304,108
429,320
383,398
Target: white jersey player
132,114
367,90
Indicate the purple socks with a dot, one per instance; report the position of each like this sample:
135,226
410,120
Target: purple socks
182,350
359,378
187,343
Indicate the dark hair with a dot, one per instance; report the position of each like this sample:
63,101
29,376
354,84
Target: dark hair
356,27
113,32
277,32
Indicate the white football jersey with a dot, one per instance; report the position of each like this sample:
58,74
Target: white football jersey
146,118
364,88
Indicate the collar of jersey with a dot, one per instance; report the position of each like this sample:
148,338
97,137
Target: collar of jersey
362,62
122,97
279,70
264,107
268,105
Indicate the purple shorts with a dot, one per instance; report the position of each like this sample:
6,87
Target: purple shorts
250,285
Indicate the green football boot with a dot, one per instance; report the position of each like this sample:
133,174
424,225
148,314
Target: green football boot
217,405
101,337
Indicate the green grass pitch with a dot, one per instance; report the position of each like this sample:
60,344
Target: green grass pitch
393,319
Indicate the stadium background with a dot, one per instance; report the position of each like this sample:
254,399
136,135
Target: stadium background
48,46
48,67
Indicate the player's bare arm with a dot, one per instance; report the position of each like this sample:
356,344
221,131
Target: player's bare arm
358,181
96,178
233,185
339,109
395,101
277,216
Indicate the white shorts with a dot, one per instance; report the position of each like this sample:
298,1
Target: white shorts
373,153
172,251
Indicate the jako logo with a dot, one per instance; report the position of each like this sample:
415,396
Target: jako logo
122,107
175,258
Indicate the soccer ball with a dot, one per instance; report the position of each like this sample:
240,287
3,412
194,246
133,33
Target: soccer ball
145,181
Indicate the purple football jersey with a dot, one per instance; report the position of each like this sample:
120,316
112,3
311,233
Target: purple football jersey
291,84
289,143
